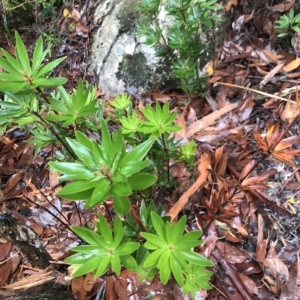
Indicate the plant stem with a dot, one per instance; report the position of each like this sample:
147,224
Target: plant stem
164,44
168,159
137,219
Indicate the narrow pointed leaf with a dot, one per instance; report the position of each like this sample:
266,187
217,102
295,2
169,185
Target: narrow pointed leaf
154,239
103,266
13,62
50,66
72,171
21,54
49,82
12,86
152,260
105,230
138,153
87,267
158,225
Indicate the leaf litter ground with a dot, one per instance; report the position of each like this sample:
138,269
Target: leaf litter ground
243,193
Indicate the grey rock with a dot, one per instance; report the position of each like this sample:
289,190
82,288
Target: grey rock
118,57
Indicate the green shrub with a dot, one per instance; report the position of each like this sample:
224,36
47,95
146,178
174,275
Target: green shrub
182,42
287,25
120,166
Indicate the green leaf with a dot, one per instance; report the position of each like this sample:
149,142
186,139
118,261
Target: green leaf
282,34
88,236
76,188
128,262
78,259
105,230
12,77
182,260
50,66
49,82
11,86
13,63
103,266
154,239
118,142
87,267
84,140
121,204
38,56
152,260
141,181
143,213
137,153
178,230
114,161
72,171
9,67
106,145
83,153
118,227
191,236
99,156
129,247
164,270
169,234
141,254
176,270
158,225
89,249
187,244
66,97
83,195
77,97
21,54
100,193
116,264
121,189
118,178
164,259
195,258
118,235
133,167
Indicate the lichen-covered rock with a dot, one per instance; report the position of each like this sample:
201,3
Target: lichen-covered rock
118,57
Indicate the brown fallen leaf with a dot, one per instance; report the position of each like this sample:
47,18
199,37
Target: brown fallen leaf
282,7
204,167
5,270
261,251
276,266
231,254
82,285
292,65
290,111
249,284
229,4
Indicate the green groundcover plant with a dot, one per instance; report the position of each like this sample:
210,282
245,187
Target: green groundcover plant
288,25
125,164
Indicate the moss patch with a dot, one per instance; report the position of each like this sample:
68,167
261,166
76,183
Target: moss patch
129,15
133,70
